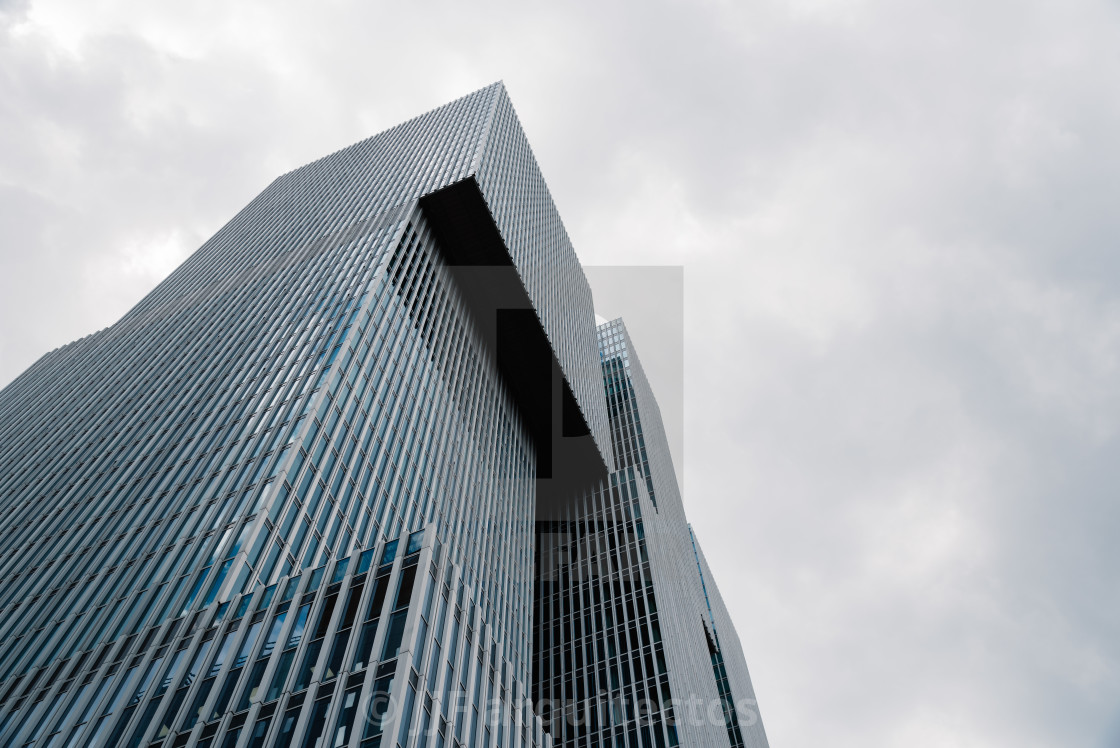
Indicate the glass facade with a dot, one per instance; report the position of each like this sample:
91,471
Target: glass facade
293,496
625,636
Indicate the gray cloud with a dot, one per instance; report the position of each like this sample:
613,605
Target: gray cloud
902,296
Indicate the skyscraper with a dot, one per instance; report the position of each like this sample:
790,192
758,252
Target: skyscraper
627,617
360,472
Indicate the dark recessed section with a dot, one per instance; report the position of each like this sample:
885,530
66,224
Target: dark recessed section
574,424
468,238
525,361
464,226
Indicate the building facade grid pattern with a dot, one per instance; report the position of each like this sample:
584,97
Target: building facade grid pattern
289,498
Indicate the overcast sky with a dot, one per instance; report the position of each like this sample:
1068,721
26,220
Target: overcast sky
898,223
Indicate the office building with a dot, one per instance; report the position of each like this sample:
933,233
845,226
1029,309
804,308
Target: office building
627,617
314,488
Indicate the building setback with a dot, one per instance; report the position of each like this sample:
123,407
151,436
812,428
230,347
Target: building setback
361,472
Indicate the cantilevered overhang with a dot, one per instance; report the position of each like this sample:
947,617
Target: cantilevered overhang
568,456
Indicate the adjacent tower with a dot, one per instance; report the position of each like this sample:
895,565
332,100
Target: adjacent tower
625,629
311,489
